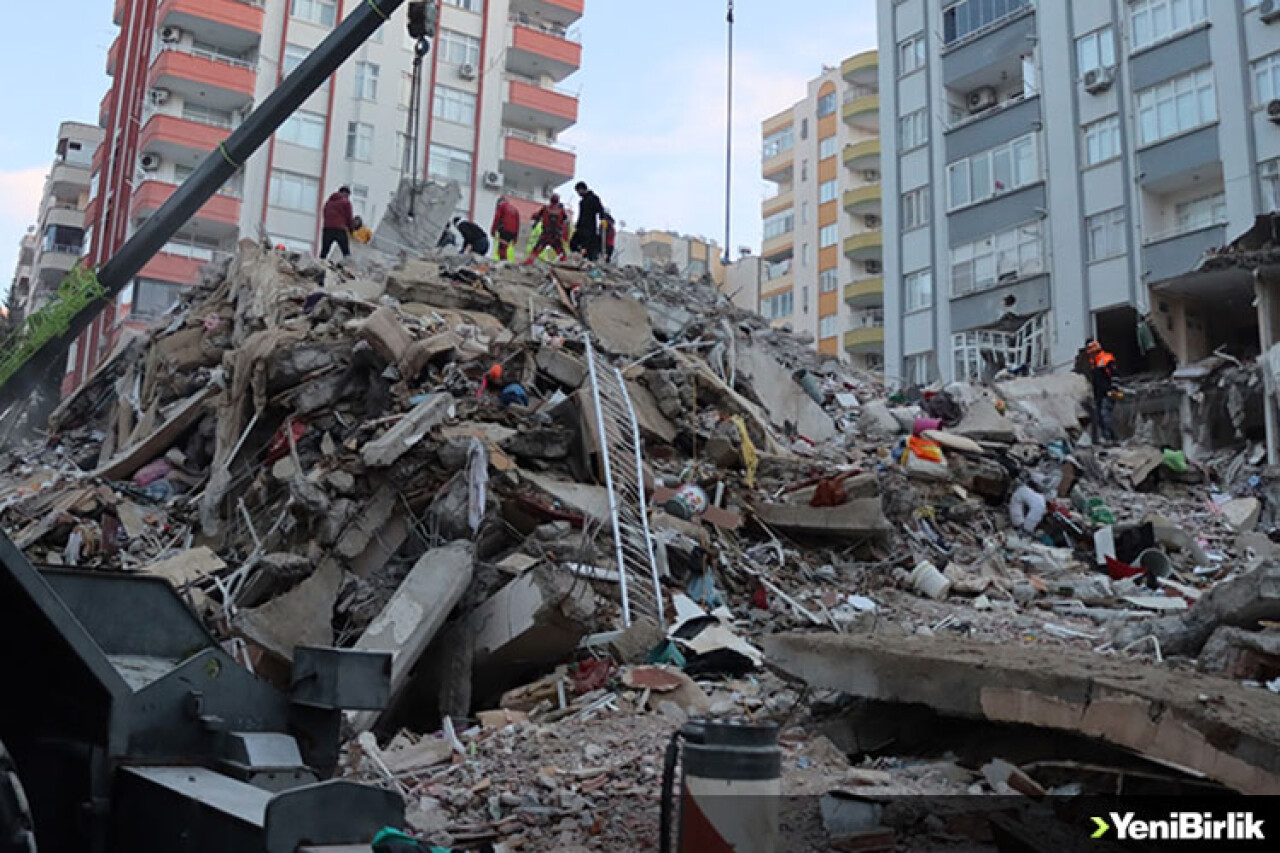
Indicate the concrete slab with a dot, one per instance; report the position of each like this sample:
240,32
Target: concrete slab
565,368
982,422
386,334
370,521
591,500
619,324
303,616
1242,513
1153,710
408,431
858,517
782,396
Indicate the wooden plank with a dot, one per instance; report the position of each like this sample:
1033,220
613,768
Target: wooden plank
129,460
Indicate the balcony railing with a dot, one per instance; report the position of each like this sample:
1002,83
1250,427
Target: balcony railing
65,249
559,90
211,55
853,92
516,133
574,34
1188,228
190,250
867,319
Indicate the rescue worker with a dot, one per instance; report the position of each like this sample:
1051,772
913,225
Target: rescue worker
552,217
1102,371
608,235
586,236
506,228
473,237
338,220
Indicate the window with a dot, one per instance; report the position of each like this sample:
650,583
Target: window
449,163
406,91
303,129
1176,105
827,326
828,281
777,224
1096,50
293,56
291,191
153,298
1151,21
804,298
968,17
1106,233
366,81
915,208
804,128
804,213
458,49
1011,254
360,141
322,12
917,290
778,142
1266,79
827,105
476,6
910,55
915,369
777,269
828,235
778,306
455,105
828,147
1101,140
913,130
1269,176
1201,212
804,170
828,191
207,115
989,173
804,257
360,201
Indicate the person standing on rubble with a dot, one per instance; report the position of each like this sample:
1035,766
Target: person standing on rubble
339,220
552,218
1102,370
586,236
608,235
506,228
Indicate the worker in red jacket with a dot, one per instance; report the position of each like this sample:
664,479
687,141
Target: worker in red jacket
506,228
339,221
608,235
554,220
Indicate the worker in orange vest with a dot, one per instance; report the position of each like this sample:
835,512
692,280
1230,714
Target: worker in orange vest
1102,371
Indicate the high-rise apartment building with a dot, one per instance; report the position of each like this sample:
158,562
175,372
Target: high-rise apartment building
187,72
821,255
52,249
1053,170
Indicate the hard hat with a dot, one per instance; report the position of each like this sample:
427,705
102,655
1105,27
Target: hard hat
495,373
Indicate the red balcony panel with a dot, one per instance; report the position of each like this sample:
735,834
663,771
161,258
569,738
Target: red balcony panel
543,158
575,6
173,268
527,207
220,209
548,45
117,15
91,212
99,157
206,72
113,57
227,13
181,132
546,101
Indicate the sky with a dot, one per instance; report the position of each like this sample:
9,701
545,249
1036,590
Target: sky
651,132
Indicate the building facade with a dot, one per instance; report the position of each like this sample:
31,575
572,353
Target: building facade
691,257
187,72
1053,170
50,251
822,250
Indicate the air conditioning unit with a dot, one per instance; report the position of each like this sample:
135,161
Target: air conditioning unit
981,99
493,180
149,162
873,267
467,71
872,221
170,35
159,96
871,176
1269,11
1098,80
1273,110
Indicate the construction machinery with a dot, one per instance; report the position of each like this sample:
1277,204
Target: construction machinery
127,726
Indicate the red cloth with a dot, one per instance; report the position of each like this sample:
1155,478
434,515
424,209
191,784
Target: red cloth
506,219
338,212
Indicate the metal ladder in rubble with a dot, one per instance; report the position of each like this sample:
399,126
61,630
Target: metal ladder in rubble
618,434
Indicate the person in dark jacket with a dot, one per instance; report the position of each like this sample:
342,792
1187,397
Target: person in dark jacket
1102,371
473,237
506,228
586,236
338,221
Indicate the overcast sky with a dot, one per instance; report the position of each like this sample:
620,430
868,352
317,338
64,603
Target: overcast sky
651,133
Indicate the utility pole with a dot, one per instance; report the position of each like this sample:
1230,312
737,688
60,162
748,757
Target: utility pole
728,144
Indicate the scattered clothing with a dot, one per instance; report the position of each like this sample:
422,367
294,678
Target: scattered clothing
1027,508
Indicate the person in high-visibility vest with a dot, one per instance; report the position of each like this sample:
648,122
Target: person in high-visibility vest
551,220
1102,371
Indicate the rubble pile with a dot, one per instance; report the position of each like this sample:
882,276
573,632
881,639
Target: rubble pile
573,501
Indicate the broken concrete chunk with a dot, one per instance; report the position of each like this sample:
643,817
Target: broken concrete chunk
783,398
368,523
619,324
421,353
410,430
300,617
187,567
1242,513
1239,654
385,333
983,423
566,369
858,517
876,421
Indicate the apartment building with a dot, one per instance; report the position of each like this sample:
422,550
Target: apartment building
20,287
1053,171
822,250
50,251
187,72
690,257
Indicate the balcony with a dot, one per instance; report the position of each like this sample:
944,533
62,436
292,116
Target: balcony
213,80
1172,255
233,24
559,13
777,284
68,180
61,214
867,334
865,292
539,49
862,111
532,106
780,245
780,168
180,140
179,263
113,57
864,247
219,217
863,200
528,161
779,202
59,258
862,69
863,156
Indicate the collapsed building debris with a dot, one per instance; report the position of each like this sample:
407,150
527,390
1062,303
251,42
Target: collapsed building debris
573,502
